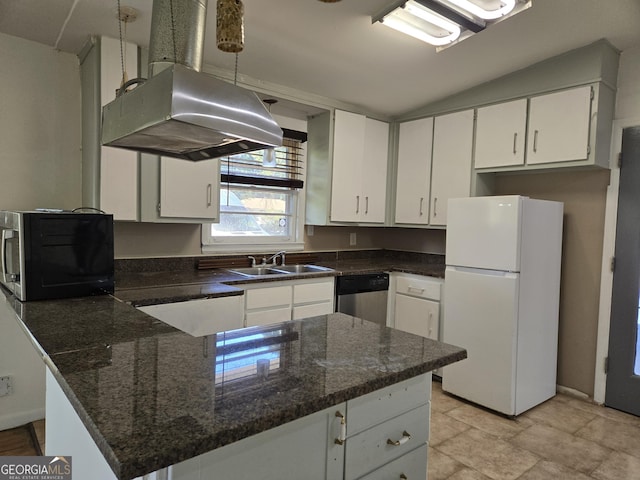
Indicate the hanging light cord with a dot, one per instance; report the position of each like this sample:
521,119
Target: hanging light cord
122,62
173,32
235,74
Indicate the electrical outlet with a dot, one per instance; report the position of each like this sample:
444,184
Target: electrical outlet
352,239
6,386
309,230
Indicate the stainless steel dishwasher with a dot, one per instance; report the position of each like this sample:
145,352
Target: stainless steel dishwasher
363,296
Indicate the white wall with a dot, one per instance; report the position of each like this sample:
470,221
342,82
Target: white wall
40,166
20,361
40,127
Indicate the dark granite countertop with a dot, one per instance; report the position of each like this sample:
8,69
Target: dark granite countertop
152,396
150,288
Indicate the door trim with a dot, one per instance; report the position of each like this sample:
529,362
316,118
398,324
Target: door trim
608,251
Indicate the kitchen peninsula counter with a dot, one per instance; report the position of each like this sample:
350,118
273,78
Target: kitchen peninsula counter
151,396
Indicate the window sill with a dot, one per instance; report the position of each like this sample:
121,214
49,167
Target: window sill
252,247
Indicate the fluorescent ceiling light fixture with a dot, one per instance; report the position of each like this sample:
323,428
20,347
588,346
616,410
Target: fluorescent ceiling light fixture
506,7
421,23
445,22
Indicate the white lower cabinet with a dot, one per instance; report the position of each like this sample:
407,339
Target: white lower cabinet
416,304
274,302
387,433
200,317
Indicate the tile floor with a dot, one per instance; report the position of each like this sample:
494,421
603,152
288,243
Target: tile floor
564,438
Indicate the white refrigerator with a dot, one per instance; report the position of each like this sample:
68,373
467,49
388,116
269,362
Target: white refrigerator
501,297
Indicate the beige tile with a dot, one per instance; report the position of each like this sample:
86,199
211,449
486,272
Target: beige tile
489,455
441,466
441,401
615,435
545,470
560,414
468,474
619,466
605,412
561,447
489,422
444,427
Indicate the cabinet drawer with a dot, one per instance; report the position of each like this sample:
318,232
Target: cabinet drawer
374,447
313,292
266,317
312,310
389,402
268,297
419,287
412,465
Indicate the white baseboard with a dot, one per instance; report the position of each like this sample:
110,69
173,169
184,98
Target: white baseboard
21,418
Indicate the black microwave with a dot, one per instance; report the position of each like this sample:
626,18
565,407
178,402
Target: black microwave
47,255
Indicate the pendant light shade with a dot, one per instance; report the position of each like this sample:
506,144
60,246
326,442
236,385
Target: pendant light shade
230,26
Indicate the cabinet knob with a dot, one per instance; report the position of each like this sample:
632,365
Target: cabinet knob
403,477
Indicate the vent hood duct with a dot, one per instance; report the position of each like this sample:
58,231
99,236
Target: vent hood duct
179,111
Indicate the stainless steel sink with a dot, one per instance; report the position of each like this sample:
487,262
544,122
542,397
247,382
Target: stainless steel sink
256,271
301,268
279,270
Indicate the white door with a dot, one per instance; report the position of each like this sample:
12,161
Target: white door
480,314
414,171
373,171
417,316
500,134
189,189
559,126
485,232
451,168
346,180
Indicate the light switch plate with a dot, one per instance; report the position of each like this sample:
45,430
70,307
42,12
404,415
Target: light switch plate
6,386
352,239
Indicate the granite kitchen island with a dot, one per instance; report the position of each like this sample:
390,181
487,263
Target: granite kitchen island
128,395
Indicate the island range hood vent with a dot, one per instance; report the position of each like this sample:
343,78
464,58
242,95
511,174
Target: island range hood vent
179,111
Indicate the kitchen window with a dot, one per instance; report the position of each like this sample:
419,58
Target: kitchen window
261,199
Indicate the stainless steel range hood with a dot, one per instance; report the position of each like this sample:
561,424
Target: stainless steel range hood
180,112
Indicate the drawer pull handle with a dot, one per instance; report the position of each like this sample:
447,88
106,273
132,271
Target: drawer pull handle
405,438
415,289
343,429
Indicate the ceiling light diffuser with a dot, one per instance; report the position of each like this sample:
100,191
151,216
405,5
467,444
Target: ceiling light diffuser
421,23
506,8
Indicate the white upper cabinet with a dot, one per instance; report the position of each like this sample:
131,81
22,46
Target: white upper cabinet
500,134
179,191
359,178
559,126
451,169
189,189
413,179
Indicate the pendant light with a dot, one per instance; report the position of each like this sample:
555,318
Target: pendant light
230,26
269,155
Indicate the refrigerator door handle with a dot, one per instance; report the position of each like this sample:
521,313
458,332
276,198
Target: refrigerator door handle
483,271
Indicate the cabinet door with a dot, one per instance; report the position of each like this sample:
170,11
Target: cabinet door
417,316
373,171
348,154
500,133
414,171
451,169
559,126
189,189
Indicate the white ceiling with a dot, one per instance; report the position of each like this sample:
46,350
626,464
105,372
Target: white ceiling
333,50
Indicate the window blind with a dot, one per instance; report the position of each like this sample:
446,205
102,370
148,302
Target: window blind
281,167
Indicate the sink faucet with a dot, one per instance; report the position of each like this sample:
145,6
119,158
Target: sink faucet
253,260
273,258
